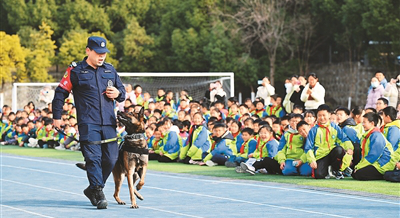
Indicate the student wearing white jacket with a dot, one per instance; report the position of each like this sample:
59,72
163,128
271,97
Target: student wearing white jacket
265,91
313,94
392,91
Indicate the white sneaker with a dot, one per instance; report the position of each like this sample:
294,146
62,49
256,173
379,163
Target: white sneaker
248,168
263,171
60,147
211,163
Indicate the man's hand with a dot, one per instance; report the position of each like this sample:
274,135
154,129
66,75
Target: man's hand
57,123
112,92
350,152
314,165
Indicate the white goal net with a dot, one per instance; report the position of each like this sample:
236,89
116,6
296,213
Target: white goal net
195,83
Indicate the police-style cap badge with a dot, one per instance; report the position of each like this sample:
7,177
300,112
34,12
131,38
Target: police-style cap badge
98,44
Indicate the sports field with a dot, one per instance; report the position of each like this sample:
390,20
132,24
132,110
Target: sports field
46,183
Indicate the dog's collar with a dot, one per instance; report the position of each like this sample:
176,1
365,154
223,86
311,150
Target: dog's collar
134,136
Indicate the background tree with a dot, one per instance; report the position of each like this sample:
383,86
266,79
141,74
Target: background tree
12,59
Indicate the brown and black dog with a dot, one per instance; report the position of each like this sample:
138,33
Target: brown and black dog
133,156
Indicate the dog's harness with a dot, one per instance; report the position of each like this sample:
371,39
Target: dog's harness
137,150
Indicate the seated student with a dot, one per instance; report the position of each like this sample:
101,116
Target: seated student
169,112
310,118
234,112
12,136
247,148
276,127
391,129
275,108
357,114
291,158
181,115
47,135
266,150
219,151
348,126
243,111
67,141
294,119
326,145
298,109
256,125
234,128
154,144
249,123
220,105
170,143
375,151
259,109
149,133
211,122
197,142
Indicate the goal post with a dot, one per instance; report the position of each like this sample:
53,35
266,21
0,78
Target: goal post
196,83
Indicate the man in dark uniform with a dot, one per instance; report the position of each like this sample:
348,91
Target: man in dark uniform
95,86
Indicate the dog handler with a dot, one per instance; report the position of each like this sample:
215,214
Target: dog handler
95,85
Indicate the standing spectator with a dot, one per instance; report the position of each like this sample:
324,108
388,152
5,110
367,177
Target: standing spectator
95,113
291,88
218,93
381,78
298,88
392,91
313,94
46,95
265,91
375,93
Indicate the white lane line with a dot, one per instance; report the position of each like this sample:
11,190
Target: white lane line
276,187
248,184
41,171
72,193
176,213
36,160
246,202
26,211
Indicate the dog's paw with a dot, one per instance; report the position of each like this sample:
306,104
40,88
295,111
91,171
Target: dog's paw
135,206
121,203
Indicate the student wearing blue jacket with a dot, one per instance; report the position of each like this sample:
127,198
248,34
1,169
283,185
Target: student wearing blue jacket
376,151
391,129
348,126
220,150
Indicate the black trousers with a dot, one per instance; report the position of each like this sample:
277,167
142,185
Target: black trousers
367,173
164,159
333,159
154,156
271,165
356,154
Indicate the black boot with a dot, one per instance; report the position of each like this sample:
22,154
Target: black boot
91,194
101,198
81,166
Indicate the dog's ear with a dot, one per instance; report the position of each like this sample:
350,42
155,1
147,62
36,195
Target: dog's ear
141,114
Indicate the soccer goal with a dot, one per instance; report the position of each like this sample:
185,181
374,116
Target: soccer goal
196,83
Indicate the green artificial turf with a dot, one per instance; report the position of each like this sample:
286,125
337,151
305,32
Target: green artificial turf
378,187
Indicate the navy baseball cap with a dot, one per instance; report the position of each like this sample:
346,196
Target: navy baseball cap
98,44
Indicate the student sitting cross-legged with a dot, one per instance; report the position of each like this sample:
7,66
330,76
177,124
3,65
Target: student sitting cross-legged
220,150
170,143
197,142
266,149
246,149
376,151
291,157
326,144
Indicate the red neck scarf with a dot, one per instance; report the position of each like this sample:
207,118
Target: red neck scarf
327,133
365,140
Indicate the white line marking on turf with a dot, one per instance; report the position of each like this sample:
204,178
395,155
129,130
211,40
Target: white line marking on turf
246,202
26,211
72,193
42,171
37,160
238,183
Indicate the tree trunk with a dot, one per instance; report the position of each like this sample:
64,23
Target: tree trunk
272,69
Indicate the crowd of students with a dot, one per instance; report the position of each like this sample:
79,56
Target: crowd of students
251,137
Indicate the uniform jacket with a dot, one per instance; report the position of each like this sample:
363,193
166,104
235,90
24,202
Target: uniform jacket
320,142
88,86
220,146
247,148
392,93
266,149
375,151
170,144
293,149
391,131
197,143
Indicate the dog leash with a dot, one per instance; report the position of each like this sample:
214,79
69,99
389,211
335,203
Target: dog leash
136,136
